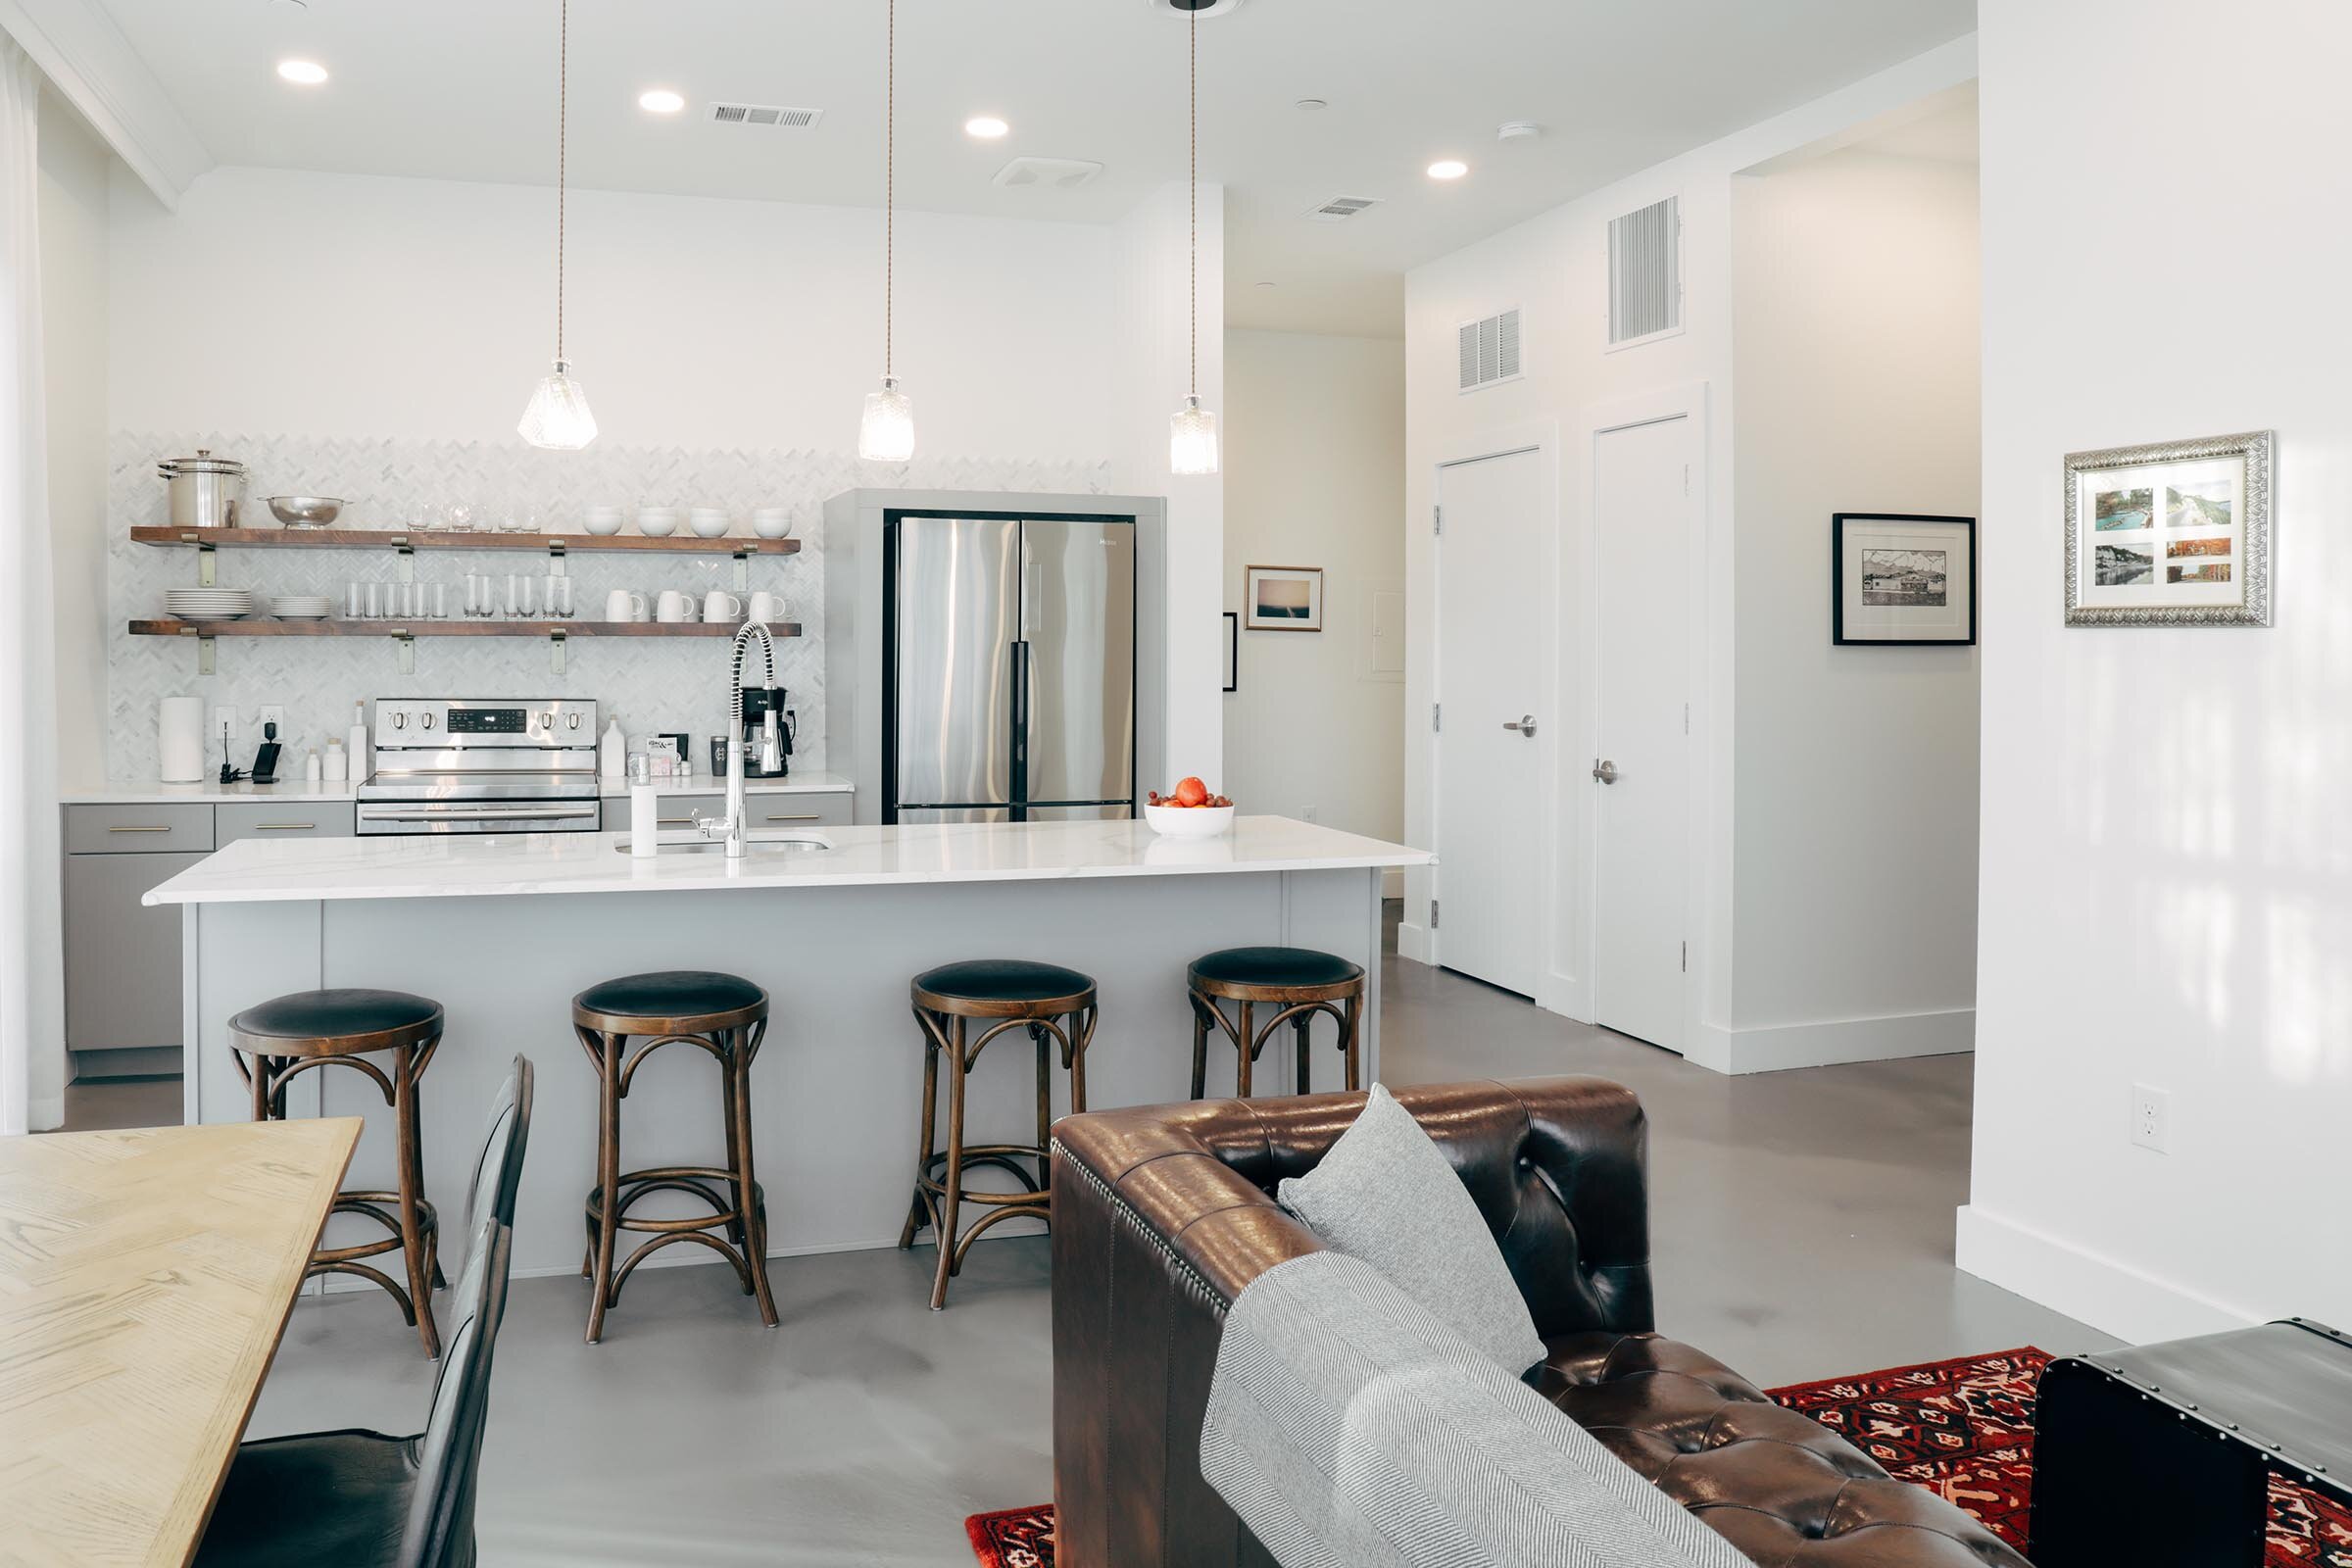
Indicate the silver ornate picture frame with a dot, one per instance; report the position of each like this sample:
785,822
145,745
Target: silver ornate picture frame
2175,534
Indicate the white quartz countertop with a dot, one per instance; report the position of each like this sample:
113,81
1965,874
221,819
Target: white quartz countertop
456,867
148,792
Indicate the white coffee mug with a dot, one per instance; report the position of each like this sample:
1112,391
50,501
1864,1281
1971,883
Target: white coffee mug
621,604
767,607
674,606
721,605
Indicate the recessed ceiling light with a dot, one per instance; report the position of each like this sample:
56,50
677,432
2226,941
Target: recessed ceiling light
1448,169
1266,283
301,73
988,127
659,101
1312,105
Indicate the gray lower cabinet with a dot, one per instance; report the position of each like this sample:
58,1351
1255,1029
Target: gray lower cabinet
122,991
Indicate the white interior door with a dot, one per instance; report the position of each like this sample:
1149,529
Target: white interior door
1488,683
1641,785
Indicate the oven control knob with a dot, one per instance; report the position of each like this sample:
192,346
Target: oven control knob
574,720
400,720
547,722
427,719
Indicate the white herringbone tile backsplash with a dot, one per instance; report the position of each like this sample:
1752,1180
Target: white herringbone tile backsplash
649,686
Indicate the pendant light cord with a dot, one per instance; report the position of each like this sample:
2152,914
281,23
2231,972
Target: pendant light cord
1193,190
890,192
562,114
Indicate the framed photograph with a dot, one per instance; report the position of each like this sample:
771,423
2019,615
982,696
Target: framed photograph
1283,598
1902,579
2171,535
1233,651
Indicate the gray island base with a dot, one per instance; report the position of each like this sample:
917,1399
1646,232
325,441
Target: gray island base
502,932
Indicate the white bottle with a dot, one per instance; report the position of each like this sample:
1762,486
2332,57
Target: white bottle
645,820
337,766
314,772
612,752
355,755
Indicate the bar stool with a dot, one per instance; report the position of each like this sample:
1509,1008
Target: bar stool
286,1036
1299,981
727,1018
1056,1006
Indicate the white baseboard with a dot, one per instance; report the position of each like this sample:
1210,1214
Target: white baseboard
1827,1042
1412,940
2135,1306
46,1114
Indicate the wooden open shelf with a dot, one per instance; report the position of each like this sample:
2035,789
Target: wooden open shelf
440,539
449,628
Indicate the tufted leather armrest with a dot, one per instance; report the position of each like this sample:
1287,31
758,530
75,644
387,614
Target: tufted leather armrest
1163,1214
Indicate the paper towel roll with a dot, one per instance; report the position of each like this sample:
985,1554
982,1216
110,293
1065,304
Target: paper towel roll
180,733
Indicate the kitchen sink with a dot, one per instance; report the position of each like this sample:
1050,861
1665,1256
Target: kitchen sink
777,844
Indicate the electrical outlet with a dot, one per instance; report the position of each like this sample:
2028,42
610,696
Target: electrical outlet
1312,814
225,723
272,713
2152,1119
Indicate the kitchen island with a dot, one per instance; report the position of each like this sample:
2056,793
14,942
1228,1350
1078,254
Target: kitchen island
502,931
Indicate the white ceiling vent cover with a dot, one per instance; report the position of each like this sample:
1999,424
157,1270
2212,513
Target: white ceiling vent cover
1047,173
1490,351
765,115
1645,273
1339,208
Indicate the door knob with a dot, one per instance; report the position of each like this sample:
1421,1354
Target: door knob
1605,771
1526,725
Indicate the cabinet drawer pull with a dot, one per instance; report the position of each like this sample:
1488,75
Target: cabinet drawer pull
804,817
283,827
140,829
675,821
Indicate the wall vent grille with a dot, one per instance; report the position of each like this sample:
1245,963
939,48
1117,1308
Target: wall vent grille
1645,273
1490,350
1339,208
765,115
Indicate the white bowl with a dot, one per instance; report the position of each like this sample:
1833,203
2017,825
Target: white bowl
772,522
1189,821
656,522
710,523
604,520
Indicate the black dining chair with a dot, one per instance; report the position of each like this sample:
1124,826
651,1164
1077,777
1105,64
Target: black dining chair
364,1500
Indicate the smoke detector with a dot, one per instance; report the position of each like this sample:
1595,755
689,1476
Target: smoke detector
1047,173
1518,131
1197,8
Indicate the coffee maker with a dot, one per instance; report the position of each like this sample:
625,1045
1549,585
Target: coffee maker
762,759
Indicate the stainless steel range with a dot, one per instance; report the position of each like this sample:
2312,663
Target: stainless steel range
470,764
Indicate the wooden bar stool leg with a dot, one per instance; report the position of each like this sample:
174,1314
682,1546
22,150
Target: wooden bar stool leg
1301,1028
1352,1038
608,1179
1044,1040
746,1197
1084,1037
919,1210
1247,1053
412,1231
1199,1047
735,1230
953,1179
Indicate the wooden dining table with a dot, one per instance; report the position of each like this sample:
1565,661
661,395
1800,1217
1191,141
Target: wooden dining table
145,1280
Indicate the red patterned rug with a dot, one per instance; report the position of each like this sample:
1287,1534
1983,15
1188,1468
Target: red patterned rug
1962,1428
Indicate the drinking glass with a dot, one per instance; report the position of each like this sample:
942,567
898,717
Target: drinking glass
376,600
457,516
523,596
352,600
440,601
556,593
520,519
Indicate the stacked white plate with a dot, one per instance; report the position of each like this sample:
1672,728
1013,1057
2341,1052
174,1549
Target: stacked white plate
302,607
207,603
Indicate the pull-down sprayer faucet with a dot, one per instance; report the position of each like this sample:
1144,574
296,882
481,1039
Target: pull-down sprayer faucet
772,745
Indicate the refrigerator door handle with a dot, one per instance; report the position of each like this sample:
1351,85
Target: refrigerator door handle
1024,671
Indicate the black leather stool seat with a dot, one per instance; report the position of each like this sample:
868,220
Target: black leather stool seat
336,1014
1276,966
1002,980
671,994
339,1498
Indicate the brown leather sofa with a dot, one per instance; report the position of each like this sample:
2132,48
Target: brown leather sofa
1163,1214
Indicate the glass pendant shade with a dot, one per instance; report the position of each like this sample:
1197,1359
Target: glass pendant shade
1193,439
887,433
558,417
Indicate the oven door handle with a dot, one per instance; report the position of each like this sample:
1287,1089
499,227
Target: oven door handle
473,814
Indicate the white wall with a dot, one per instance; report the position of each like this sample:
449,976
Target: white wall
74,327
1555,269
1854,778
2167,888
1314,477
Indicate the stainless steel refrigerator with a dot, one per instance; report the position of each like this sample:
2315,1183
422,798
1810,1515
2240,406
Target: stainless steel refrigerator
1011,686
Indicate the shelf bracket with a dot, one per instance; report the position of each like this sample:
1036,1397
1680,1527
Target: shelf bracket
555,644
404,567
208,570
743,572
207,658
407,652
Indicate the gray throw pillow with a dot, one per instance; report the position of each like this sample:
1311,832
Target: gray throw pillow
1387,1195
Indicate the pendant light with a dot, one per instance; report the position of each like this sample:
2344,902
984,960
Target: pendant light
558,417
887,432
1192,432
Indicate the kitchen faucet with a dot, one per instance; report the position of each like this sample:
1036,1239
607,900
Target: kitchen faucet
771,744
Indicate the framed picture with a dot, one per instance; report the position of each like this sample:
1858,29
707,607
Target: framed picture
1233,651
1902,579
1283,598
2171,535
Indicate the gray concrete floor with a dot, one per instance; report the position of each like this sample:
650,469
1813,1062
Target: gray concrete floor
1803,1228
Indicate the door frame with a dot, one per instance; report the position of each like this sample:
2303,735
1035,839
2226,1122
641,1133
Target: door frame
1707,758
1543,440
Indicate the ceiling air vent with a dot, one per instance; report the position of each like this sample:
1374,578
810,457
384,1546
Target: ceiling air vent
1490,350
1645,273
1048,173
765,115
1339,208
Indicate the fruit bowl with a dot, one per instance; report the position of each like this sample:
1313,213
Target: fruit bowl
1189,821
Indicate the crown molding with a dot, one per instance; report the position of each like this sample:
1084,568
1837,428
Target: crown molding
88,58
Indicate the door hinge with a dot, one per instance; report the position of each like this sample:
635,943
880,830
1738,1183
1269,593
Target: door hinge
1437,520
1433,915
1436,723
1686,957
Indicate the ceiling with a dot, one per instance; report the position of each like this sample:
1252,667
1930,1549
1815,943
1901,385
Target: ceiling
465,90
